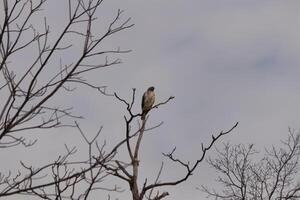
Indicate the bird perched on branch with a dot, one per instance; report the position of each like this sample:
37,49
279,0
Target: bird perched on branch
147,101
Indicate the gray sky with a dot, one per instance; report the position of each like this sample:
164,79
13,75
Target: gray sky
224,61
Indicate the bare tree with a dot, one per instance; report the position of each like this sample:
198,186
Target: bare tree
28,90
129,170
244,176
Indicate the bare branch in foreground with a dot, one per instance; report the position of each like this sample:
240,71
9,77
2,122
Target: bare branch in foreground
130,173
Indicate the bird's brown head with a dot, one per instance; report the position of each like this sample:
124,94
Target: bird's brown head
151,88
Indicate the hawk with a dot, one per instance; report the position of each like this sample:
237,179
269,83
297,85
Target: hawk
147,101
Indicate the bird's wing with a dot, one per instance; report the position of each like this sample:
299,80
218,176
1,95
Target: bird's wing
143,100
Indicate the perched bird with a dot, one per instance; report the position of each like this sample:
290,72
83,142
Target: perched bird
147,101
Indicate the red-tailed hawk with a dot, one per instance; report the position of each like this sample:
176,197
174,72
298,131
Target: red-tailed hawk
147,101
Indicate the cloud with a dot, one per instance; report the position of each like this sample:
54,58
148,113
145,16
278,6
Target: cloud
225,61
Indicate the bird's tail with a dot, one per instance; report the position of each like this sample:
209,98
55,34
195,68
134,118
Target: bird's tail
143,116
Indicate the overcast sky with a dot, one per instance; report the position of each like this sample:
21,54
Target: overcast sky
223,60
